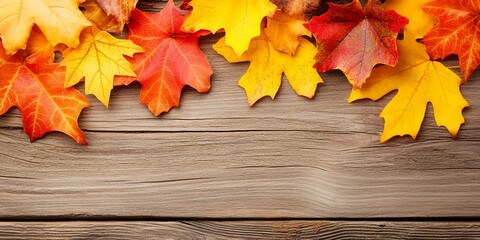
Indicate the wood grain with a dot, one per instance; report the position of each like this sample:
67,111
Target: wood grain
264,174
240,230
214,157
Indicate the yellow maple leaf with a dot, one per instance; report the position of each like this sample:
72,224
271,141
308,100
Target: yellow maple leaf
241,19
285,31
59,21
264,76
419,81
109,15
419,21
99,58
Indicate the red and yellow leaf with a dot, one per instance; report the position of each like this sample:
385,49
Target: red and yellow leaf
458,32
419,81
354,40
172,58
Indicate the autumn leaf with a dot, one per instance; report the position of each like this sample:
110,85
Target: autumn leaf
99,58
35,86
419,81
172,58
59,21
240,19
285,31
264,76
457,32
185,5
419,21
297,7
37,43
109,15
355,40
118,9
286,27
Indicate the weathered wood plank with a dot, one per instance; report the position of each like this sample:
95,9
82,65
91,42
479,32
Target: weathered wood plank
240,230
215,157
265,174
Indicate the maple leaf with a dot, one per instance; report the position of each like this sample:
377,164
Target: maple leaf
109,15
419,81
60,22
419,21
240,19
35,86
285,31
355,40
458,32
172,58
37,43
264,75
99,58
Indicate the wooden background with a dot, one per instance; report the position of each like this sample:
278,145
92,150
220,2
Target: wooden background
214,167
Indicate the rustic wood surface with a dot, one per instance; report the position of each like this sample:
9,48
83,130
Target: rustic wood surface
240,230
214,157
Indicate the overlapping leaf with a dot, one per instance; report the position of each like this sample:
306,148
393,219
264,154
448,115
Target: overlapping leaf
297,7
264,76
458,32
285,31
99,58
354,40
241,19
60,22
419,81
420,22
172,58
35,86
350,37
109,15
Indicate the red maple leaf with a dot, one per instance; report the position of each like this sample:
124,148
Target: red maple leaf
172,58
36,87
458,32
354,40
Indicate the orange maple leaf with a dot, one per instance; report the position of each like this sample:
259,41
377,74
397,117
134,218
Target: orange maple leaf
285,31
35,85
285,28
458,32
172,58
